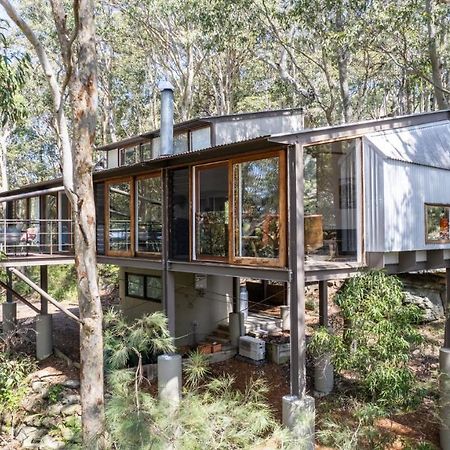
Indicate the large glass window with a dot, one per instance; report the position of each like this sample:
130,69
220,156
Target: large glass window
99,192
257,208
212,211
200,138
437,222
145,287
179,214
149,214
120,219
180,143
330,200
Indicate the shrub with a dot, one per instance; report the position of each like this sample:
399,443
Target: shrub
13,371
125,344
379,331
216,416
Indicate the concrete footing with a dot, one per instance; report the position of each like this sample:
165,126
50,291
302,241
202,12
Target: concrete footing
444,403
236,327
44,336
169,379
285,317
299,417
323,375
9,314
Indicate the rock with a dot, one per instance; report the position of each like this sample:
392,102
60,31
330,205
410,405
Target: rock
49,422
67,433
29,434
38,386
30,403
428,300
35,420
71,410
55,410
50,443
71,399
71,384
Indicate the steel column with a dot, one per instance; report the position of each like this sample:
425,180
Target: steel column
168,277
9,295
296,264
44,287
447,309
323,303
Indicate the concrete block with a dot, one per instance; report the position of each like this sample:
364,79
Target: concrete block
9,314
299,417
170,379
44,336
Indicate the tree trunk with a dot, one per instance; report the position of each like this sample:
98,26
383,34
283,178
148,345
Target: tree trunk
4,135
83,94
436,65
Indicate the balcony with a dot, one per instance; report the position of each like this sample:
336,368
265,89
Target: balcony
20,238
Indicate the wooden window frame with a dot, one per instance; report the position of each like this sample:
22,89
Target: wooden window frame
145,297
435,205
196,207
108,250
281,261
156,255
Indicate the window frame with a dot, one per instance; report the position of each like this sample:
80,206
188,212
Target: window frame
435,205
108,250
158,174
146,297
281,261
196,207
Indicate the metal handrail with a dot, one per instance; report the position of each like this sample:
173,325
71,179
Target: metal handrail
47,236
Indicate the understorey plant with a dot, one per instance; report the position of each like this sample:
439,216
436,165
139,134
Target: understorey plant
382,331
378,335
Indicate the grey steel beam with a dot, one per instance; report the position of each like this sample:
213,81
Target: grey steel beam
134,262
447,309
9,281
296,264
44,286
30,261
260,273
323,303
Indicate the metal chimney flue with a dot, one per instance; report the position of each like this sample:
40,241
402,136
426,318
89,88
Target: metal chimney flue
166,128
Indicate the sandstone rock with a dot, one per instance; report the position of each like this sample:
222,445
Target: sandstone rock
428,300
71,399
71,410
67,433
34,420
54,410
50,443
49,422
71,384
38,386
29,434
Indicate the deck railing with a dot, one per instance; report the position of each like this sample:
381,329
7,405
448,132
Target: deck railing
38,236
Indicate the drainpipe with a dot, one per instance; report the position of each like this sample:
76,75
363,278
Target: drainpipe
166,128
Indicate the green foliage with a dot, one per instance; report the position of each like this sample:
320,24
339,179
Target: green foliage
13,372
196,369
216,416
125,343
379,331
13,72
54,393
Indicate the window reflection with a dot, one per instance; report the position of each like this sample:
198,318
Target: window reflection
120,216
437,223
149,213
212,211
257,202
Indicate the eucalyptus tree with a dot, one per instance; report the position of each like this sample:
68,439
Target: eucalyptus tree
78,56
13,70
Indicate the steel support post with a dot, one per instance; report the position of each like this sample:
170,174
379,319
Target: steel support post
44,287
298,408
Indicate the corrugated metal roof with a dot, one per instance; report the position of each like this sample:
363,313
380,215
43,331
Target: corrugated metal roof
426,145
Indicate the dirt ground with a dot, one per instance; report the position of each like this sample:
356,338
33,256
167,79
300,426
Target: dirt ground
420,426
